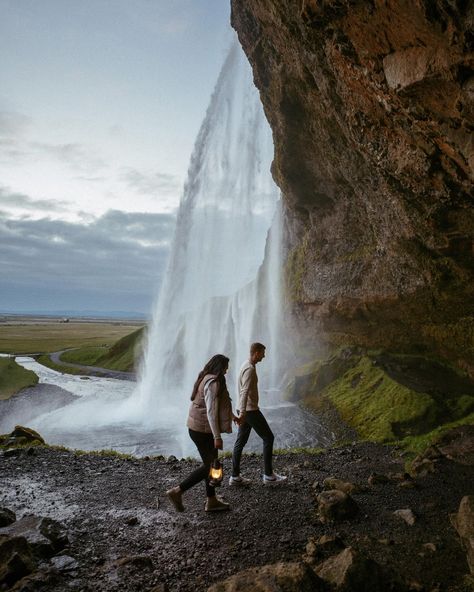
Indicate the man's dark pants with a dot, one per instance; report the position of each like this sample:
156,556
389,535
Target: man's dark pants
255,420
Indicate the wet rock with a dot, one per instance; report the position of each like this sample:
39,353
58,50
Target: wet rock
422,466
45,535
350,571
344,486
131,521
407,515
284,577
334,505
172,459
38,581
7,517
463,522
9,452
16,559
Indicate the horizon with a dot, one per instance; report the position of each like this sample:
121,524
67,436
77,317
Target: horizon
96,135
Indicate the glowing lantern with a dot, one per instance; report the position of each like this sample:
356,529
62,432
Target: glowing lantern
216,473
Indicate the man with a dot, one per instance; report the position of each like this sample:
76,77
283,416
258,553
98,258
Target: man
250,417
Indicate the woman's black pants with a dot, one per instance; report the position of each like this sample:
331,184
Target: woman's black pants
205,446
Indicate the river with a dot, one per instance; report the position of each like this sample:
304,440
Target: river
91,413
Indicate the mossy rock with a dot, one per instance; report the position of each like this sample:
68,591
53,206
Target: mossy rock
388,397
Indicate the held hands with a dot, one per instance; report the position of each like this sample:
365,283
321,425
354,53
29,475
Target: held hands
218,443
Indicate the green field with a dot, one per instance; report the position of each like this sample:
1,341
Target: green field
13,378
32,338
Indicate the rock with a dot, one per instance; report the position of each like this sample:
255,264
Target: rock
350,571
345,487
335,505
131,521
376,479
407,515
463,522
422,466
45,536
16,559
64,563
381,92
27,433
284,577
172,459
9,452
322,548
458,445
6,517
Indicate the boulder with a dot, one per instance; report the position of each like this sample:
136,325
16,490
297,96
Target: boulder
28,434
45,536
322,548
463,522
7,517
284,577
16,559
344,486
350,571
334,505
376,479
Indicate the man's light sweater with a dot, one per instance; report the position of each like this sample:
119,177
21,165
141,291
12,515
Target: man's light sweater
248,388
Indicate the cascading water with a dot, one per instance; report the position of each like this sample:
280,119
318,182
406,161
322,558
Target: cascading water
214,298
221,292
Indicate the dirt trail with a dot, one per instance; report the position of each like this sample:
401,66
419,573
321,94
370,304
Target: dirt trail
116,508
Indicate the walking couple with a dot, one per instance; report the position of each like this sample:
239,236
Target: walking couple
210,415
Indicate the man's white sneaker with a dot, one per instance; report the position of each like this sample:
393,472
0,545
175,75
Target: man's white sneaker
274,479
239,481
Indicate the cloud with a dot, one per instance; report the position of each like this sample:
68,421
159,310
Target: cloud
75,155
117,259
150,183
13,123
9,199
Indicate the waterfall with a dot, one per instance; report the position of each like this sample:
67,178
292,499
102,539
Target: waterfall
218,296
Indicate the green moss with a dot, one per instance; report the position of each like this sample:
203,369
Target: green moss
14,378
392,398
378,407
295,270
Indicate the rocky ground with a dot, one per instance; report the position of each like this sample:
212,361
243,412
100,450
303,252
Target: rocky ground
122,533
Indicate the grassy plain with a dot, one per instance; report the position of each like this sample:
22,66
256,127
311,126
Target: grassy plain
46,337
13,378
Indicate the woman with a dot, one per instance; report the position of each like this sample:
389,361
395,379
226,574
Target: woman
210,414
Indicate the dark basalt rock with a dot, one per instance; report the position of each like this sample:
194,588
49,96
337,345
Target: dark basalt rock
372,110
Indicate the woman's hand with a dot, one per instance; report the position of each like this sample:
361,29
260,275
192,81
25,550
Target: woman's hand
218,443
236,419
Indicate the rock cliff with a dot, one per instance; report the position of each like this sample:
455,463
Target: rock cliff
371,103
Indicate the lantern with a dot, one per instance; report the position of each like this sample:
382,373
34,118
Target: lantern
216,473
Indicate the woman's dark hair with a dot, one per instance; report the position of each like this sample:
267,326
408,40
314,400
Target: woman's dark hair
217,365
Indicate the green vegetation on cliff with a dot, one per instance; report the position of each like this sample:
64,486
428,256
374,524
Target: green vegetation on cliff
122,355
14,378
387,397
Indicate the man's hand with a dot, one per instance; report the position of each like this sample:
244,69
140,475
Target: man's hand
218,443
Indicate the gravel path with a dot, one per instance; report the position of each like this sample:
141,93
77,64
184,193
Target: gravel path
115,508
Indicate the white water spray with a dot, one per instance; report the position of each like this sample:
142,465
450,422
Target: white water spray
217,297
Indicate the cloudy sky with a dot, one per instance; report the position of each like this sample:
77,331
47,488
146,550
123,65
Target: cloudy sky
100,104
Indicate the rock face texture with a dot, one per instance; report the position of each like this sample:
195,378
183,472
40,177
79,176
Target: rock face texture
371,104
